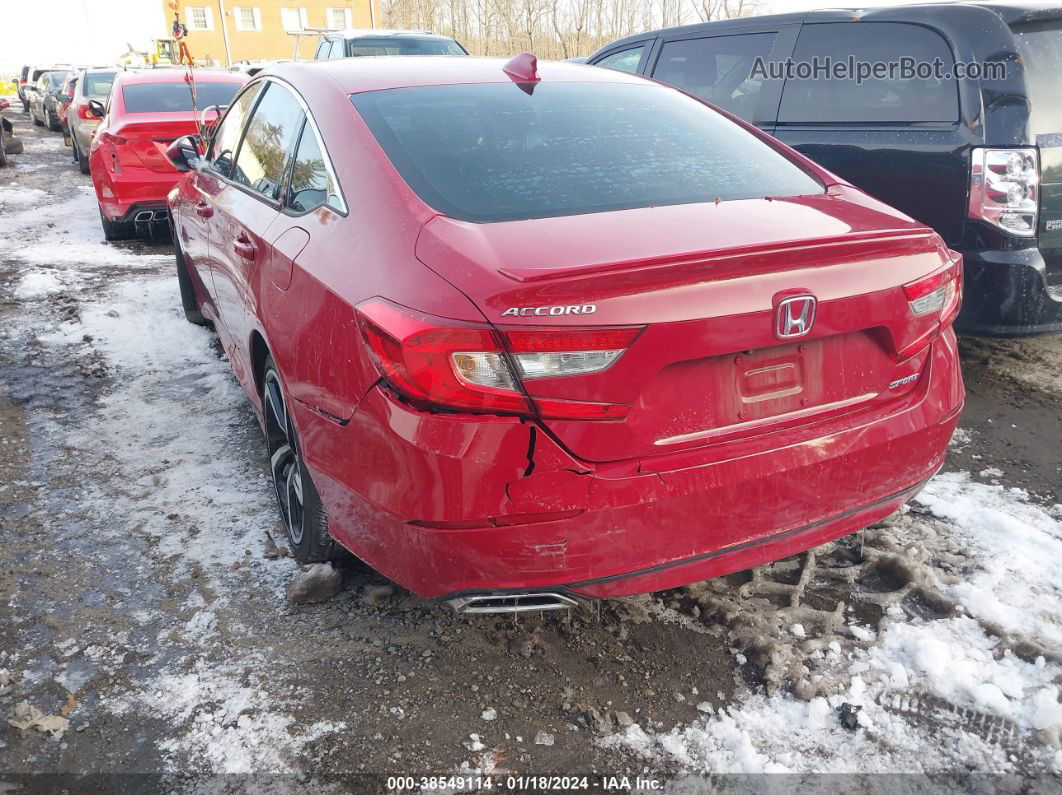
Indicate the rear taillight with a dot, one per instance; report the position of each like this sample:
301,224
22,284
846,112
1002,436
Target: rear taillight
1005,188
83,112
939,294
445,364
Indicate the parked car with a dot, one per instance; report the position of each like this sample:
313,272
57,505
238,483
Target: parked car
20,86
144,113
44,99
62,105
93,84
9,144
361,43
27,82
518,333
980,161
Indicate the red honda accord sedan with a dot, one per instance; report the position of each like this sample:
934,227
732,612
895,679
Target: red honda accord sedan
145,112
519,333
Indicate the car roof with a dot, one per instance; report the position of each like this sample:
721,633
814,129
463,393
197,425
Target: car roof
1011,11
355,75
167,75
384,34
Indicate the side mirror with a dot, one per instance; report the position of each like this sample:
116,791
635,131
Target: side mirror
96,108
183,153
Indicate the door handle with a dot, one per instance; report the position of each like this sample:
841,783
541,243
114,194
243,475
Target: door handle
203,210
244,248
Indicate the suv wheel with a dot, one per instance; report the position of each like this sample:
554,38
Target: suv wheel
300,505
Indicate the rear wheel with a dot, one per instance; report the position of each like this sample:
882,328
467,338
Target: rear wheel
3,156
81,158
25,106
53,123
189,301
116,230
36,121
300,505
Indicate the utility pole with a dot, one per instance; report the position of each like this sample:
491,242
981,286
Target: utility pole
225,33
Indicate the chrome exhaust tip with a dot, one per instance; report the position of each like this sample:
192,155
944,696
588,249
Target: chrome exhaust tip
143,217
484,604
161,215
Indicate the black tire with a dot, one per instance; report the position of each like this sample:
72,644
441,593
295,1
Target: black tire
53,123
36,122
13,146
3,157
306,522
189,301
25,106
80,159
116,230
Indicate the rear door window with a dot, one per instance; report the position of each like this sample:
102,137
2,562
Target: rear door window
265,153
624,60
717,69
890,100
312,185
227,137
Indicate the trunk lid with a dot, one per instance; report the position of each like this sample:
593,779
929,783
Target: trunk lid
149,138
706,281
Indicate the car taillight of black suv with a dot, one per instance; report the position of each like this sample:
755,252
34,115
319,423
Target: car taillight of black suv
978,158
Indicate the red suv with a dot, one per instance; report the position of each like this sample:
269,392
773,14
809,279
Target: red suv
145,112
519,335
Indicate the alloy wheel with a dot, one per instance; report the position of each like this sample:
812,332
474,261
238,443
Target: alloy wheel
284,462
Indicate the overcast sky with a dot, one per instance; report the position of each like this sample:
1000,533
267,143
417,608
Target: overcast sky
97,31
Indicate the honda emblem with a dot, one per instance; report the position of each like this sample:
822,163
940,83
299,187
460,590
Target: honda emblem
795,316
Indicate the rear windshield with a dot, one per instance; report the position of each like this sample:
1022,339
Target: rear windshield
1041,50
175,97
495,152
373,47
98,86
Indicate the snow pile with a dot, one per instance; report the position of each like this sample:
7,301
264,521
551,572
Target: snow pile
17,198
37,284
925,688
1017,546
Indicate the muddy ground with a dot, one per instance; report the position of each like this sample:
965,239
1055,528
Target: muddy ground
140,599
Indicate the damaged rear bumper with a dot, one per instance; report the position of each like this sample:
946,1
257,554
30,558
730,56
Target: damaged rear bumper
451,506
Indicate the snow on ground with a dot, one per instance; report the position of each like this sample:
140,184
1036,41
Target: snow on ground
957,666
165,432
182,400
68,234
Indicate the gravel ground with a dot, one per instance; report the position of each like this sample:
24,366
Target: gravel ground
142,583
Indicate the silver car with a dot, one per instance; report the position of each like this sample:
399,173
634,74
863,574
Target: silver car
91,84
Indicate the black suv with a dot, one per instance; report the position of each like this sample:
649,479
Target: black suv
360,43
979,160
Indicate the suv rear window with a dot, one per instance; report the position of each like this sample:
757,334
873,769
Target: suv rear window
1041,50
826,100
495,152
175,97
374,47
